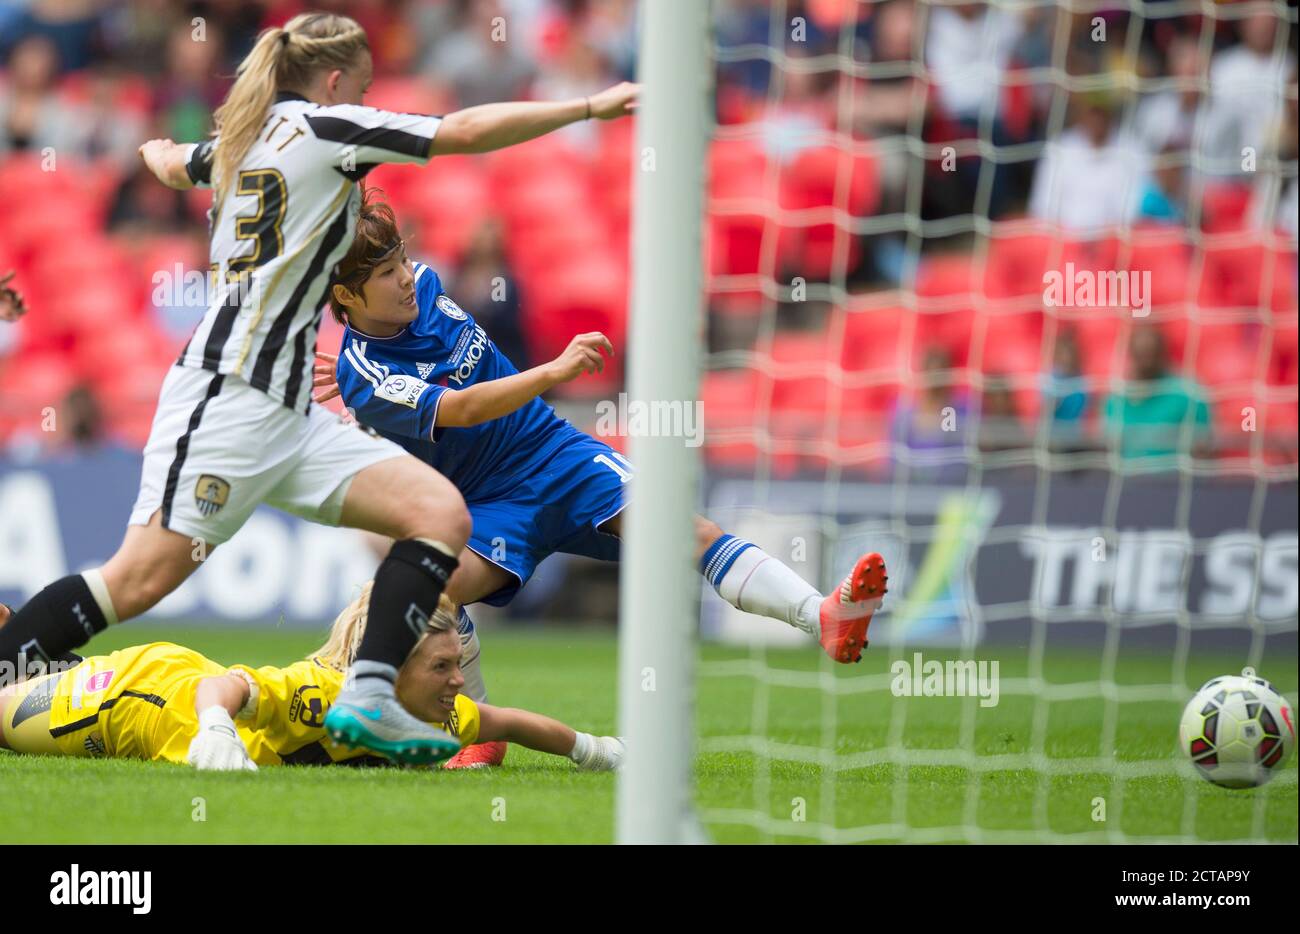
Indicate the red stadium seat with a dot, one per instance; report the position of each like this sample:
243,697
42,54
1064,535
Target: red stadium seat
829,187
800,371
133,390
23,177
73,193
545,201
394,182
611,176
878,341
877,349
446,216
1224,206
34,383
950,276
198,201
1250,276
165,251
580,297
537,253
1282,422
1284,354
735,244
806,390
1017,258
138,344
1166,254
1282,269
731,418
737,168
1217,355
737,218
401,94
31,233
520,165
1102,335
1011,344
947,295
888,340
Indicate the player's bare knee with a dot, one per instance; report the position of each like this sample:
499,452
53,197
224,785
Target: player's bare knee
138,583
137,592
442,518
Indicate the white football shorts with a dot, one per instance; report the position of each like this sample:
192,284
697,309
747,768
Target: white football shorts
219,447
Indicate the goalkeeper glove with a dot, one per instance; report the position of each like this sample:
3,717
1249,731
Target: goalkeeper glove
218,746
598,753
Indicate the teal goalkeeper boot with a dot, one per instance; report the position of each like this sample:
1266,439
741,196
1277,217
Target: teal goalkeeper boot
381,725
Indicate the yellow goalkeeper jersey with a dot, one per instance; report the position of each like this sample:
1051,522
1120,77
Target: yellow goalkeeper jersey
139,703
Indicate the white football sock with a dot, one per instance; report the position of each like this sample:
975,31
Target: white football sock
368,679
753,581
94,579
470,650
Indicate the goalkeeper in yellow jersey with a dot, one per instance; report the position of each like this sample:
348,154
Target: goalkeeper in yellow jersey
166,702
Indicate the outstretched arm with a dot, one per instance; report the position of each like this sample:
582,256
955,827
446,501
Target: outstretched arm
217,745
229,692
461,408
508,724
166,160
496,126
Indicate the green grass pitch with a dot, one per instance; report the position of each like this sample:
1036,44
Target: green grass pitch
570,674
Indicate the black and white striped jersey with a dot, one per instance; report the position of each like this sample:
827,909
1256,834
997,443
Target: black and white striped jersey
287,218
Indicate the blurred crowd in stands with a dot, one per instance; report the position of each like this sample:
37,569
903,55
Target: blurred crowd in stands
888,184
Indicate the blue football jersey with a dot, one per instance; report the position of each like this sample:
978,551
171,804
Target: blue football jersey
395,384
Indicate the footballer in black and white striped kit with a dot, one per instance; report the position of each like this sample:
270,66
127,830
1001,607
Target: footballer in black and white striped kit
241,396
235,424
272,266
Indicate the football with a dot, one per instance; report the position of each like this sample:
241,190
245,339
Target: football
1237,730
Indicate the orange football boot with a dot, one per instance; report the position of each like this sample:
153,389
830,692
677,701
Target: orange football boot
478,756
846,613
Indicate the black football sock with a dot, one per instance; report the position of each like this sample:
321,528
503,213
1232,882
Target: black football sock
61,617
406,591
69,659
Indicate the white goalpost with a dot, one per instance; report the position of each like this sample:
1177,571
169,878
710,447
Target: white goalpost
659,586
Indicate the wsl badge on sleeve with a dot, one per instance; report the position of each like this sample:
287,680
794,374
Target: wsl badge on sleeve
210,494
450,308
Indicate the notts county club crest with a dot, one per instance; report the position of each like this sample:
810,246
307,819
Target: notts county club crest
210,494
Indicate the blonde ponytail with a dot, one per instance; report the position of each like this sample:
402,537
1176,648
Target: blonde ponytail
281,60
340,649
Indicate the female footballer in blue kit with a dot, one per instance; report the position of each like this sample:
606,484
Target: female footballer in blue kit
419,370
235,426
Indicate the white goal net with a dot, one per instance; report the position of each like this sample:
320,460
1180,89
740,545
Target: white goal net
1006,292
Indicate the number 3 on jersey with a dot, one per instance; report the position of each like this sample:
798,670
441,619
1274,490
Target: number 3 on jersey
263,227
